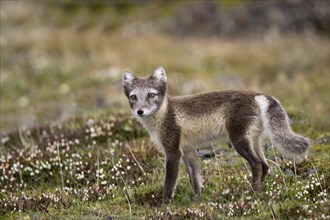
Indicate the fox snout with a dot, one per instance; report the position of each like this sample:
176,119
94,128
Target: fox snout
140,112
145,111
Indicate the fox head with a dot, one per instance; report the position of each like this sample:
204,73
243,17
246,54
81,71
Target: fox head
145,95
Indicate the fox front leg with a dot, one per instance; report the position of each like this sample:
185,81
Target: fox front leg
171,176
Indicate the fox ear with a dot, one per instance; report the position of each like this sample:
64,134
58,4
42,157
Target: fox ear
160,74
128,77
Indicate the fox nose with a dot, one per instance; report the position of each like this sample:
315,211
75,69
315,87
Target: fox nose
140,112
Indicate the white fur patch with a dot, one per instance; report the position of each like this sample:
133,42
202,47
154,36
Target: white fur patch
155,91
154,136
153,124
160,74
133,92
263,102
128,77
263,105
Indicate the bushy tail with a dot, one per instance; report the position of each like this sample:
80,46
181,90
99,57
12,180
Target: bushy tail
276,123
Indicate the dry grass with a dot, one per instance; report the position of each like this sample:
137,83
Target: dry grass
72,70
294,69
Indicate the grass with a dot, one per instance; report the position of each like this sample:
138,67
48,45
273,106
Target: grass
70,150
88,169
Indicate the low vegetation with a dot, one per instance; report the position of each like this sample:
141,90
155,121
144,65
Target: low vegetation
105,168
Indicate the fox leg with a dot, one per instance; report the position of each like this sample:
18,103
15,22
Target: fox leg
260,153
171,175
194,170
243,147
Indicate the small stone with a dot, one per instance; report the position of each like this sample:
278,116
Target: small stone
288,172
311,171
108,218
204,153
325,140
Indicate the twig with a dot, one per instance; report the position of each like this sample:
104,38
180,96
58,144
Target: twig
213,150
271,210
278,165
136,159
249,171
126,196
25,144
20,175
60,161
294,166
98,167
269,160
317,175
215,156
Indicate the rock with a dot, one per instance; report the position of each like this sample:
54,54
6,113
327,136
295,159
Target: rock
288,172
325,140
108,218
204,153
311,171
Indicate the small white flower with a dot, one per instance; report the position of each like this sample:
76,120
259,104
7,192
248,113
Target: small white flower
64,88
23,101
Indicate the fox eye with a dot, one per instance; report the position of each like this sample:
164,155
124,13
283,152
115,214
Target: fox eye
132,97
151,95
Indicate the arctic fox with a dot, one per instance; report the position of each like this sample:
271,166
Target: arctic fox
178,125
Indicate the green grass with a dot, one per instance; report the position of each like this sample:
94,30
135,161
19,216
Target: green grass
106,167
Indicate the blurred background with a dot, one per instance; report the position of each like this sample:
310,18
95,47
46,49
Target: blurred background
64,59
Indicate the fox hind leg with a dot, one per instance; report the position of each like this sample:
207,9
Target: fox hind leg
194,170
243,147
260,153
